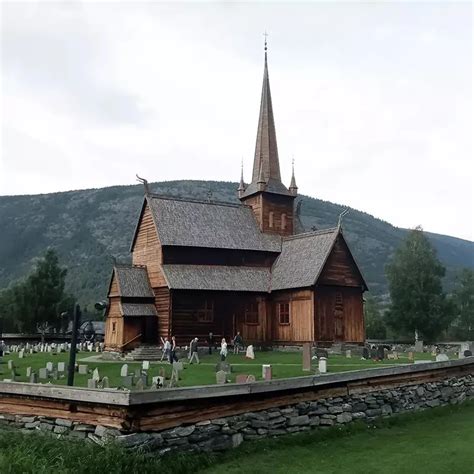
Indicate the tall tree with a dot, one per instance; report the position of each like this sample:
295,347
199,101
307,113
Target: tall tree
418,303
39,299
463,297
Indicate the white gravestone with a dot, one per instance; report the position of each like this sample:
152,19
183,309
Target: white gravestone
124,370
442,358
82,369
322,366
49,366
61,366
250,353
95,374
146,365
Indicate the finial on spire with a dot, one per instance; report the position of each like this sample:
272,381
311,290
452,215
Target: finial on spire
341,215
293,188
241,188
266,35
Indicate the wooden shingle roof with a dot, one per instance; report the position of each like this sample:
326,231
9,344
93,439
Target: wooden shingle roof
190,223
302,258
218,278
138,309
133,281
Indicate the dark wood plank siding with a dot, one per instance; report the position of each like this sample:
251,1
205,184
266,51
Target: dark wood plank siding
278,206
339,314
162,303
340,268
114,339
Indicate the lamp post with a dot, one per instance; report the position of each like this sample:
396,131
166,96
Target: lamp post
72,352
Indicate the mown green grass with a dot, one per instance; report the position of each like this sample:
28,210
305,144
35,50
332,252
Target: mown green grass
284,365
438,440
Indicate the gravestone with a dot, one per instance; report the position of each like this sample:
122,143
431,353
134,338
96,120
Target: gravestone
221,377
322,365
28,371
95,374
43,373
144,379
418,346
13,375
158,381
225,366
140,385
49,366
373,353
146,365
124,370
10,365
251,378
380,353
267,371
241,378
442,358
61,367
105,382
321,353
467,353
250,354
365,353
411,356
91,383
348,354
127,381
306,356
82,369
21,354
33,377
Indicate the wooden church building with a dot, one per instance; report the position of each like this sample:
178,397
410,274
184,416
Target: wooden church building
200,267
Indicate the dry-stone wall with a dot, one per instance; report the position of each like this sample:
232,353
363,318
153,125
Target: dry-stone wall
224,433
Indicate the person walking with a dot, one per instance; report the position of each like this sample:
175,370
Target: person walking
194,351
238,343
223,349
173,357
210,342
166,349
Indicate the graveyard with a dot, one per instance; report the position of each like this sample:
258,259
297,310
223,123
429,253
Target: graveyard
51,367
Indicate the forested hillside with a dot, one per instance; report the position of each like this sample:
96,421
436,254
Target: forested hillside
92,227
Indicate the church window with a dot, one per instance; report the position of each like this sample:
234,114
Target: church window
283,221
206,313
270,220
284,312
251,313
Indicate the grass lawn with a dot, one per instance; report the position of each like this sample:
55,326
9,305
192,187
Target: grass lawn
436,441
284,365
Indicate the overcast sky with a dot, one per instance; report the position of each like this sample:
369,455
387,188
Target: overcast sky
373,100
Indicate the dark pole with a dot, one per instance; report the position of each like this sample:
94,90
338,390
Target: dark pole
72,352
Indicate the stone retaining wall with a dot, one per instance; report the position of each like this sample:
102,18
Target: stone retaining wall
224,433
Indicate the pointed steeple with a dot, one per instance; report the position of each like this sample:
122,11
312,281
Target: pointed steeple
266,165
293,188
241,188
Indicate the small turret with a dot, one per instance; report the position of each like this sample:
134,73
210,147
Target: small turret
293,188
241,188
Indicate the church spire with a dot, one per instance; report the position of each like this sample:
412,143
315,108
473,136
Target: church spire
266,164
293,188
241,188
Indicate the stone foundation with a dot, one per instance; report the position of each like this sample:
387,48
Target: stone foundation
224,433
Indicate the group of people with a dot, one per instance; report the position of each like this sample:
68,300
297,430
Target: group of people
169,348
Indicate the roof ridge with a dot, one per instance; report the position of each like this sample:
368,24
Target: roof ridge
129,265
198,201
311,233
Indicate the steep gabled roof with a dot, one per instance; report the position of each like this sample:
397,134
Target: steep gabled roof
133,281
218,278
138,309
302,258
191,223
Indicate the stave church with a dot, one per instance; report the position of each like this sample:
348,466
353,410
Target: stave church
206,266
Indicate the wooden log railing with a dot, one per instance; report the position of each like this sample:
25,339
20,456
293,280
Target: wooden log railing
130,341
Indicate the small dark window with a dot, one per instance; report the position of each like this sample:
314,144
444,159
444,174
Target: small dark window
206,313
251,313
284,313
283,221
114,325
270,220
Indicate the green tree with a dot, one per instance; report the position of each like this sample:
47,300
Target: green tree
463,298
418,303
39,299
374,324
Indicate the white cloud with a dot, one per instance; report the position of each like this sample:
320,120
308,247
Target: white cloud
373,101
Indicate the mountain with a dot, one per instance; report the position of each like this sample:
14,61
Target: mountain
90,228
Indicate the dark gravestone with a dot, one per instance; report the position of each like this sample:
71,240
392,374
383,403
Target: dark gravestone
373,353
380,352
366,353
321,353
467,353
